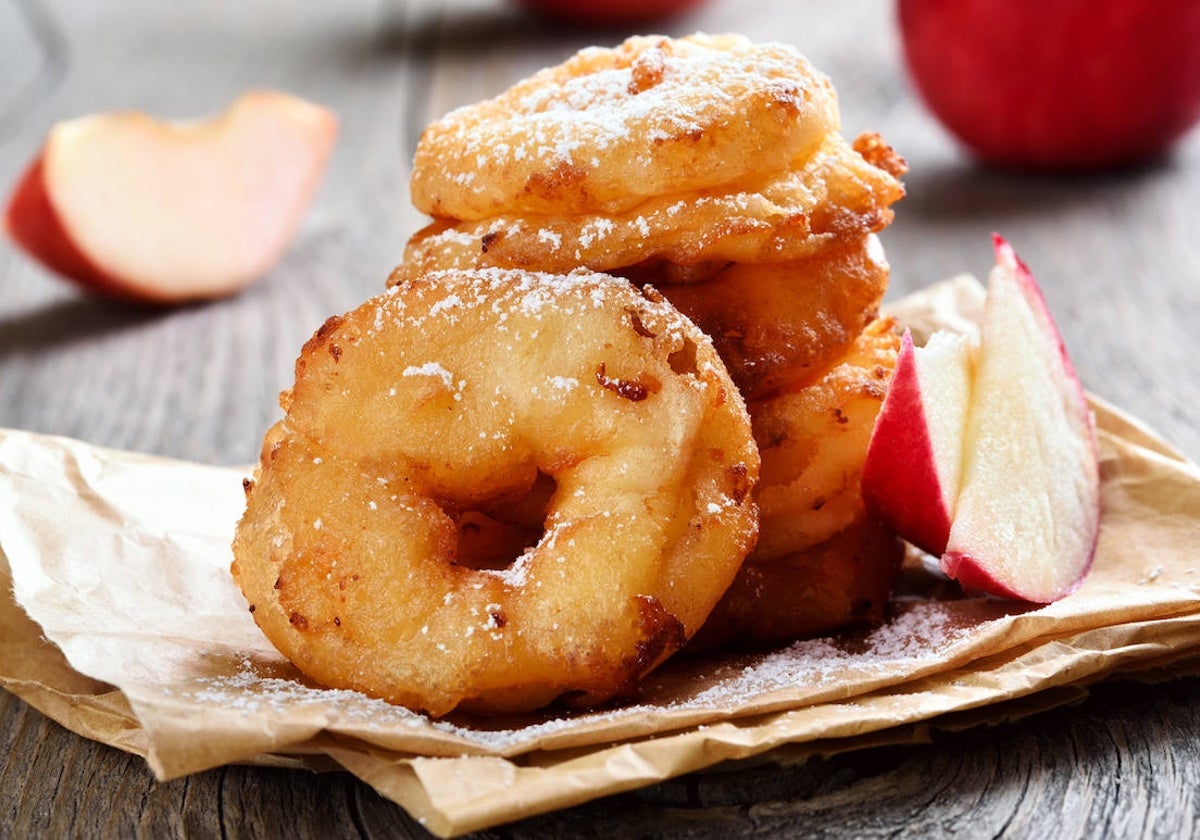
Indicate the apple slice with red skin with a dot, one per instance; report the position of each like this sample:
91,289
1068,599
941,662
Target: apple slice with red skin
990,462
165,213
914,461
1028,514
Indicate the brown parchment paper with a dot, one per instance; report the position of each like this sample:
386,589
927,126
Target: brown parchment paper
125,626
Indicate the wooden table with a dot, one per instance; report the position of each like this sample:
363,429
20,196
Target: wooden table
1119,256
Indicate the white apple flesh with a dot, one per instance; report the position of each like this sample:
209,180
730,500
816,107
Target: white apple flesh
170,212
1028,514
911,472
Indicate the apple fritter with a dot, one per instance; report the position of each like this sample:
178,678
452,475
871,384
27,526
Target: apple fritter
609,128
580,407
830,198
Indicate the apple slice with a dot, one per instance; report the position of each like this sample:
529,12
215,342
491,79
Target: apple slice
1028,514
911,473
171,212
987,458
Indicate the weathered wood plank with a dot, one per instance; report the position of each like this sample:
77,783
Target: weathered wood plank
1123,763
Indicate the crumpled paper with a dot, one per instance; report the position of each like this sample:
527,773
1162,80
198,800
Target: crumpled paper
126,627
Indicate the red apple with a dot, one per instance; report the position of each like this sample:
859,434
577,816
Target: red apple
610,12
988,459
169,212
911,473
1057,84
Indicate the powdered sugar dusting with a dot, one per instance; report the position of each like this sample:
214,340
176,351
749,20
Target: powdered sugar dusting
566,384
920,640
514,575
617,115
914,639
430,369
524,356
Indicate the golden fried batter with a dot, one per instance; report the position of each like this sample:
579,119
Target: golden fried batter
778,325
821,561
831,197
609,128
494,402
813,441
842,582
714,170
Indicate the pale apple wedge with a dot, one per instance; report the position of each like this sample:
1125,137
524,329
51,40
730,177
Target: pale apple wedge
172,212
910,476
1028,514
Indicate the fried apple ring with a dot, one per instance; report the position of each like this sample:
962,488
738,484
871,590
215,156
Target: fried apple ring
784,324
609,128
834,195
822,562
845,581
463,400
812,442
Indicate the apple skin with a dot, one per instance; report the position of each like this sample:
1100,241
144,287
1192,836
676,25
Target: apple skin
260,202
1066,85
610,13
1027,519
986,455
910,472
32,222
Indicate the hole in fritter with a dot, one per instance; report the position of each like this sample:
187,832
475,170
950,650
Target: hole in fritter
683,360
495,535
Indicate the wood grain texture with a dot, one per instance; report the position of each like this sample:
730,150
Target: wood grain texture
1121,764
1119,257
